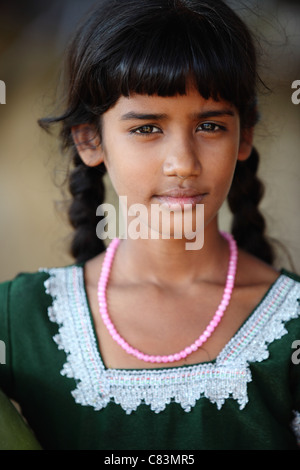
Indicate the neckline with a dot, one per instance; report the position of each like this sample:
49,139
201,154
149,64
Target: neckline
214,361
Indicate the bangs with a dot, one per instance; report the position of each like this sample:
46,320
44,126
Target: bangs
173,57
167,57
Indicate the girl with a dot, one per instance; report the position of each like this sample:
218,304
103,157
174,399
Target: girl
148,344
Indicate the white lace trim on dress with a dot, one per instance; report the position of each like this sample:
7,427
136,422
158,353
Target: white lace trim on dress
296,426
226,377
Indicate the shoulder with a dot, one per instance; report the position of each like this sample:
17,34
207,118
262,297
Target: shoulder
20,288
24,282
291,275
27,304
254,272
257,281
28,289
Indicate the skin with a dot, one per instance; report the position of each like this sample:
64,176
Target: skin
161,296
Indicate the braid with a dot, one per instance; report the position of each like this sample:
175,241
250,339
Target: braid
87,188
248,225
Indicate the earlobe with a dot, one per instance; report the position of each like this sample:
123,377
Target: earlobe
88,144
246,144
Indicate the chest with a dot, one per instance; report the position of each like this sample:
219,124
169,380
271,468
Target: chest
160,322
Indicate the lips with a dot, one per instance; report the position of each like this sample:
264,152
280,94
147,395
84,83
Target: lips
177,198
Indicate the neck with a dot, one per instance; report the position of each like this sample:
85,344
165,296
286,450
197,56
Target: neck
169,263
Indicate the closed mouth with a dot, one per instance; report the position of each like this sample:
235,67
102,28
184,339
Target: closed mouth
178,198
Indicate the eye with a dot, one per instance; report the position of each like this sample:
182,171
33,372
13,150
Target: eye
146,130
210,127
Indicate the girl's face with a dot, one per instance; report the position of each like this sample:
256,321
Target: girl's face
172,150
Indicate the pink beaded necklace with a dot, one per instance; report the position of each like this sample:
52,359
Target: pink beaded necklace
102,285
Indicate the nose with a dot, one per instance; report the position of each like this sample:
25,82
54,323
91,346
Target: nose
181,158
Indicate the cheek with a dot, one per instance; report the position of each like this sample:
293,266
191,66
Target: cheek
220,168
223,159
116,163
129,175
132,169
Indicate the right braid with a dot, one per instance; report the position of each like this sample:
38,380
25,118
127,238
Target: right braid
86,185
248,225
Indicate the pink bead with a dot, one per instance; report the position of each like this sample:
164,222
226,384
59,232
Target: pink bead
214,323
106,322
219,315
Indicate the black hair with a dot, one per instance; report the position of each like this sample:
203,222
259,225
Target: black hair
158,47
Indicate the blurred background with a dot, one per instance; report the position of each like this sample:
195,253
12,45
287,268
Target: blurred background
34,231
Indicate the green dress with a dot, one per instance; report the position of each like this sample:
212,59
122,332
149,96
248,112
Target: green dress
247,398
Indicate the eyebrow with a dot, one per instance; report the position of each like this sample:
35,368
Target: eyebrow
142,116
131,115
214,113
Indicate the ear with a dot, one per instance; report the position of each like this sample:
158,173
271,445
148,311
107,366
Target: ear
246,144
87,141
